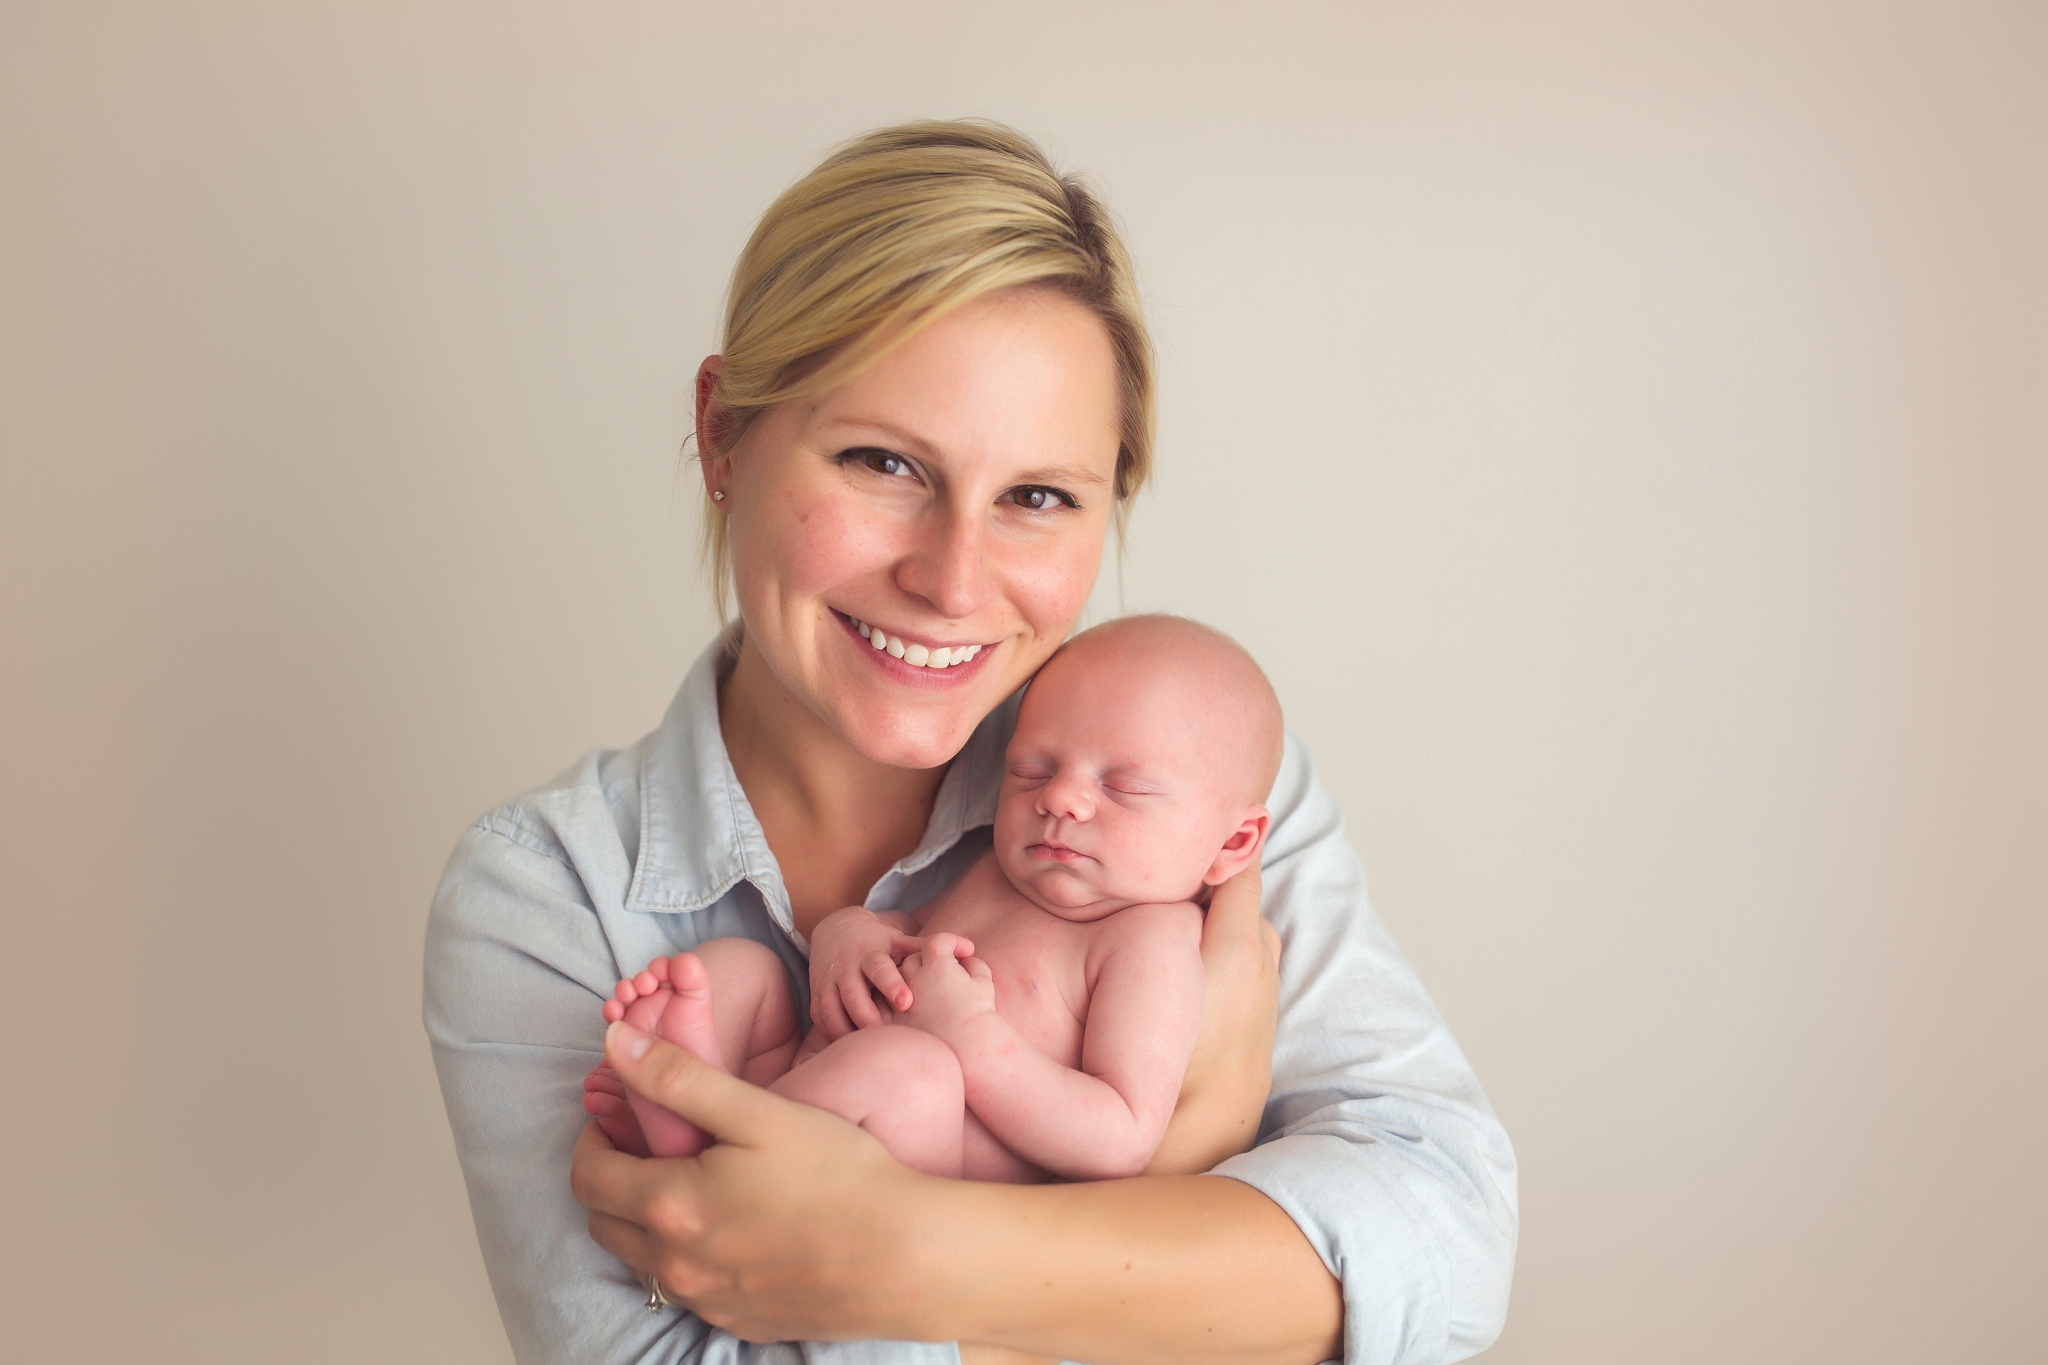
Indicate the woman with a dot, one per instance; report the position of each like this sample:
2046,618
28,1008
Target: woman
933,399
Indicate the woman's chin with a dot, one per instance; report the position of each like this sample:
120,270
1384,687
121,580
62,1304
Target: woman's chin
908,741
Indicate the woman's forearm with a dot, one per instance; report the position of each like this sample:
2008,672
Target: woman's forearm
1163,1269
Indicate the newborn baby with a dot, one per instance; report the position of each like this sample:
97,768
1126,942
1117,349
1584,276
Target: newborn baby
1036,1016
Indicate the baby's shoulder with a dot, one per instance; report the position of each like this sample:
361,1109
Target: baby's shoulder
1171,923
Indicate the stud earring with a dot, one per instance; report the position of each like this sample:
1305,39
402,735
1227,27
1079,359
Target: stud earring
718,497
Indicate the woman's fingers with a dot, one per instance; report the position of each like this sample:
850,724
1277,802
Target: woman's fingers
1240,950
627,1241
724,1106
1233,920
881,969
1241,960
603,1178
1223,1092
642,1254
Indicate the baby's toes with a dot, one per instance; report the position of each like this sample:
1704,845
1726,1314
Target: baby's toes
615,1116
645,1013
658,969
613,1011
686,973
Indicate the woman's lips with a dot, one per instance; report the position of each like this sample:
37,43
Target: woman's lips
894,657
915,654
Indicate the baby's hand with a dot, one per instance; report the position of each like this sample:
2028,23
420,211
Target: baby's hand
949,985
851,951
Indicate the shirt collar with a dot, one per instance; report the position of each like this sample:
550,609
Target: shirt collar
698,834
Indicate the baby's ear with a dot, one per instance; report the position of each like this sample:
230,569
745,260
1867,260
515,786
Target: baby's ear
1242,848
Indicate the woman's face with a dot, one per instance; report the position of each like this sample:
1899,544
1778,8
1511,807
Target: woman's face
953,498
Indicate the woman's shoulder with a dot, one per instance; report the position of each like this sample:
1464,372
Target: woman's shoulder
566,847
600,804
549,820
597,795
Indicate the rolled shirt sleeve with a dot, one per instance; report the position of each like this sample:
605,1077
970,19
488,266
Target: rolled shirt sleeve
1376,1140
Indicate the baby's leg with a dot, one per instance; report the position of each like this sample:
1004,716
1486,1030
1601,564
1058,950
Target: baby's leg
728,1002
984,1157
900,1084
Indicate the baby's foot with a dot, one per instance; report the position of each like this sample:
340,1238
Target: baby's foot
671,999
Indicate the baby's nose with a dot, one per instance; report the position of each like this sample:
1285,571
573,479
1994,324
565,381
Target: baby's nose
1068,798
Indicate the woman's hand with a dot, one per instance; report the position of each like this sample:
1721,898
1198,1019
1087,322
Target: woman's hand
804,1209
852,950
1231,1071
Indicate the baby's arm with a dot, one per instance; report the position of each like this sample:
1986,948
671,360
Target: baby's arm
1106,1119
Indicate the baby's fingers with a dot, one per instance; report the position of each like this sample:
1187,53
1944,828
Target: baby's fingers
950,945
881,969
860,1006
828,1014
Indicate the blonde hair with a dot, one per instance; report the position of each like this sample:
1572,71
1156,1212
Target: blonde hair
893,231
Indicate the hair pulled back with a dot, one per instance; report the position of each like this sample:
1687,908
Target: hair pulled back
891,232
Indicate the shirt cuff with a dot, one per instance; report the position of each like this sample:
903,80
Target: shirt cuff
1370,1236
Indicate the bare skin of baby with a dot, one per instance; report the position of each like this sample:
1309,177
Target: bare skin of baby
1036,1017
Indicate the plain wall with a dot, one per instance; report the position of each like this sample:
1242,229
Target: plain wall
1620,430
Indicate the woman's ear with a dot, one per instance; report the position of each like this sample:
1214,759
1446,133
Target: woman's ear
712,424
1242,848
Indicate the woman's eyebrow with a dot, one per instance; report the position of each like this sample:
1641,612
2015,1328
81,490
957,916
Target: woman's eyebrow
906,441
1064,473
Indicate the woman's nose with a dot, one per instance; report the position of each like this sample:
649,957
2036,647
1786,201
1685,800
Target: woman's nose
949,568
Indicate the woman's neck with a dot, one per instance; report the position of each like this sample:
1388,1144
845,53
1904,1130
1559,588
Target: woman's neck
835,820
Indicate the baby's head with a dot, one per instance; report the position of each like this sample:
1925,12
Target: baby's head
1144,753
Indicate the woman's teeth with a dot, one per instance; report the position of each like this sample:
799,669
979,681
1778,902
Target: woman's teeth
917,656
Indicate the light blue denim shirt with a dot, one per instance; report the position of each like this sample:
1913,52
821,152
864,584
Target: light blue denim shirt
1376,1139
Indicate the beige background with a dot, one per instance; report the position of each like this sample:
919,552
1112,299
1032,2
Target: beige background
1620,430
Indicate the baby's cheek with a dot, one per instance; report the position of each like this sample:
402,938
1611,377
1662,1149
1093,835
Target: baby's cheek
1146,853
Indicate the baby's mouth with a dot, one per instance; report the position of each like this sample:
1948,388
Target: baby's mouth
1056,853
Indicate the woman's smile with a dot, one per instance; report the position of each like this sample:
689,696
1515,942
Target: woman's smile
911,657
